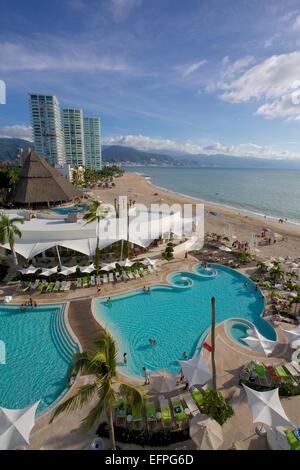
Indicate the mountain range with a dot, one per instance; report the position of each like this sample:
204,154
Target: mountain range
129,156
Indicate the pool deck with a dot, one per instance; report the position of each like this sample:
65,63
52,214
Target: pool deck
65,432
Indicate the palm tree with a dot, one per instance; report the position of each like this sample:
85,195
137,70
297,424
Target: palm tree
276,273
13,176
8,231
101,363
96,212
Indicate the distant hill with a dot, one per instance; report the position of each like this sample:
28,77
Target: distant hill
130,156
9,148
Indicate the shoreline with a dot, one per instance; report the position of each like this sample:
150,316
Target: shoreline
242,210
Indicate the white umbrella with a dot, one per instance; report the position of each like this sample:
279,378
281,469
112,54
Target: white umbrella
126,263
206,433
87,269
163,381
292,335
266,407
196,371
49,272
225,248
148,262
16,426
66,271
259,343
30,270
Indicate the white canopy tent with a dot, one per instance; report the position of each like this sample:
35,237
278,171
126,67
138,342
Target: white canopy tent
292,335
49,272
87,269
259,343
66,271
206,433
30,270
196,371
107,267
16,426
126,263
266,407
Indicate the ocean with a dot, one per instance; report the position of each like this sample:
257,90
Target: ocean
274,193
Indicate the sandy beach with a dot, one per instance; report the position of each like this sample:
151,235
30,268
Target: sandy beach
242,225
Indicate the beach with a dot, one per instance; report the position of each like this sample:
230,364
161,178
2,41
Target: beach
242,224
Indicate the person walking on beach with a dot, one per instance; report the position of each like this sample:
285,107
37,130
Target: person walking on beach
146,375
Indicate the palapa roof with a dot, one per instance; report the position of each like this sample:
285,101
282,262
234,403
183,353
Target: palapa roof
40,183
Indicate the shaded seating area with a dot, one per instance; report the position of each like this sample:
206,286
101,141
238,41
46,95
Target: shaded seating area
259,376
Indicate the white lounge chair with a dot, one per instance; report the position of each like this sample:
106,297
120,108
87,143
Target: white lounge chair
92,281
137,275
130,275
67,286
190,404
98,280
7,299
105,279
111,277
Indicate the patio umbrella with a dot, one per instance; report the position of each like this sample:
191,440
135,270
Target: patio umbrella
266,407
163,381
49,272
206,433
66,271
16,426
196,371
87,269
259,343
30,270
126,263
148,262
292,335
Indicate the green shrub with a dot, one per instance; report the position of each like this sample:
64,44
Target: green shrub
215,406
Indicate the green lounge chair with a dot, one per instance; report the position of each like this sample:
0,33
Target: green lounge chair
150,411
137,417
292,440
27,287
260,370
178,410
283,373
121,409
166,417
50,287
197,397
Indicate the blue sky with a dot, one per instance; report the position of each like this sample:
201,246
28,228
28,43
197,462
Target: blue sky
218,76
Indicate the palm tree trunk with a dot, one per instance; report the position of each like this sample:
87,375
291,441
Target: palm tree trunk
97,247
213,343
12,248
111,429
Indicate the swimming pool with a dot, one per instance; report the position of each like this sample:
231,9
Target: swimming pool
177,317
238,329
75,209
39,352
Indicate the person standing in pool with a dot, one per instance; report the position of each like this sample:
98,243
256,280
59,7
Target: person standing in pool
146,375
125,359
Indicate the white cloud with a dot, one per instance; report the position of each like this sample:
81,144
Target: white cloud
62,56
296,24
275,81
121,9
231,69
189,69
147,143
17,131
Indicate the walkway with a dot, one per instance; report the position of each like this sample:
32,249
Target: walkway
83,323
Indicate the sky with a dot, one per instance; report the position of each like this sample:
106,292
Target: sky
217,76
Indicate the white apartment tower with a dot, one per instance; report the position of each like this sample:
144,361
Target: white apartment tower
46,128
92,143
74,136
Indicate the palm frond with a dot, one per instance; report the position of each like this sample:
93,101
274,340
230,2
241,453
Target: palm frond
133,395
107,399
84,395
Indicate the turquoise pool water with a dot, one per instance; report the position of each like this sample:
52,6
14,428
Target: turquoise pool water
75,209
177,317
238,330
39,352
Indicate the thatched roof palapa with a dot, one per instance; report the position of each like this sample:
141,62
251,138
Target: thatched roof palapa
41,183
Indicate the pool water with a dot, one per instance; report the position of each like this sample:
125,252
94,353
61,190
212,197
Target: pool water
180,279
177,317
75,209
38,354
238,330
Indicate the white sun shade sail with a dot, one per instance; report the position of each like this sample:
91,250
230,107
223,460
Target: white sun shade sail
66,271
107,267
292,335
126,263
163,381
206,433
16,426
196,371
259,343
30,270
266,407
49,272
87,269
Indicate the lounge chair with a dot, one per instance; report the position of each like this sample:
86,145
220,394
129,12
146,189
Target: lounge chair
105,279
143,272
130,275
121,412
150,412
67,286
79,282
85,281
62,286
111,277
56,286
98,280
166,417
136,274
294,373
197,397
27,287
178,411
190,404
93,281
150,269
34,284
50,287
118,277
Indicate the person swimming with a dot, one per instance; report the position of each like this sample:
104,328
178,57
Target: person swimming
185,355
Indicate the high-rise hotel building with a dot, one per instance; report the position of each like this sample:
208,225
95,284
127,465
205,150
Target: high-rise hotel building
46,128
74,136
92,143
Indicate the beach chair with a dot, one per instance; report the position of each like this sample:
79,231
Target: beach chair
150,269
67,286
27,287
111,277
105,279
62,286
121,409
93,281
50,287
143,272
130,275
56,286
178,411
197,397
166,416
98,281
34,284
79,282
136,274
294,373
296,366
118,277
190,404
85,282
150,412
